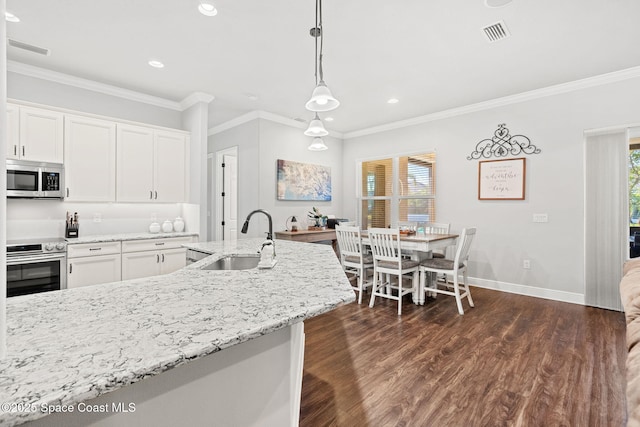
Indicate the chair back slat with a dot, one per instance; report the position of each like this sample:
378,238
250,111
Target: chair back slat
385,244
437,228
349,240
464,243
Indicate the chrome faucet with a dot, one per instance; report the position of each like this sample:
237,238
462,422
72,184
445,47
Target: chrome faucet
269,240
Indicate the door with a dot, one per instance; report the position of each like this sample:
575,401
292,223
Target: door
93,270
230,199
140,264
90,159
41,135
172,260
135,163
225,194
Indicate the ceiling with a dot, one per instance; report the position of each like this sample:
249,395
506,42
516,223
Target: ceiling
431,55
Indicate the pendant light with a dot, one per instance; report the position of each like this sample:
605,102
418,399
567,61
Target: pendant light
321,98
316,128
317,145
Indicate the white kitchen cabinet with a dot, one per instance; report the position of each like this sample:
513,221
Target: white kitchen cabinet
34,134
93,263
151,257
13,131
90,159
151,165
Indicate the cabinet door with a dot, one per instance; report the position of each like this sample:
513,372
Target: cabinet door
92,270
90,159
170,166
135,164
172,260
140,264
41,135
13,131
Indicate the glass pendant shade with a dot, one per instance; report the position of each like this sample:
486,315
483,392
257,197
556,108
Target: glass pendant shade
316,128
322,99
317,145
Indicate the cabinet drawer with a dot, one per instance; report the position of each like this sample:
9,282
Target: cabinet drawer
91,249
154,244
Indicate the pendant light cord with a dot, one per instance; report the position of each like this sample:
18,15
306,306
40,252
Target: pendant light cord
315,36
321,42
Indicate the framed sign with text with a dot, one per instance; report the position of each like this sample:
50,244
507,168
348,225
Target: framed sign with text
501,179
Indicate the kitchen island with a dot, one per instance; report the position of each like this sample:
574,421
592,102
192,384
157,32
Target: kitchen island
194,347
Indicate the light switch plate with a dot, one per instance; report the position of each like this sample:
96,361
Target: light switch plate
540,217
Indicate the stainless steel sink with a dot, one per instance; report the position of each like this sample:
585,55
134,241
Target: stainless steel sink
235,262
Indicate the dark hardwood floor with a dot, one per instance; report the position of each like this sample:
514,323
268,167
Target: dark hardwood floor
510,361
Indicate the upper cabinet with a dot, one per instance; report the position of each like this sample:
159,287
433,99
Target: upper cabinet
151,165
35,134
90,159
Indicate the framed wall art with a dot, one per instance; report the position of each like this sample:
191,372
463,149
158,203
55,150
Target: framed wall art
501,179
303,181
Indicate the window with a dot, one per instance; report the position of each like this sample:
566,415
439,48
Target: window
398,189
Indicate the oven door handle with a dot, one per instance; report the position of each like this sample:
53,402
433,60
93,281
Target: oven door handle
34,259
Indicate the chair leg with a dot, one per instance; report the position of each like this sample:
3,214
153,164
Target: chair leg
360,285
456,290
399,294
374,287
467,288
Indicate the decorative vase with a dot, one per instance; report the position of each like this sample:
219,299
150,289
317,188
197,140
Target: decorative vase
154,227
178,224
167,226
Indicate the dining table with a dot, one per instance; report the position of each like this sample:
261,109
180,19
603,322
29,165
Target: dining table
420,246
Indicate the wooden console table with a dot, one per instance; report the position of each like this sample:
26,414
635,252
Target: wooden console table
309,236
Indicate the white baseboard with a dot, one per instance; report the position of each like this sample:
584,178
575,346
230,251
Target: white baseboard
531,291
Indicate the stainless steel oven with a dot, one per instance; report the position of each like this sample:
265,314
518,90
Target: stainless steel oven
36,266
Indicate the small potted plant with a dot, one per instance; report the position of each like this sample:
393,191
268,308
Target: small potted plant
320,221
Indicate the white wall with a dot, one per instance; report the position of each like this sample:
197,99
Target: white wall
261,143
554,184
3,181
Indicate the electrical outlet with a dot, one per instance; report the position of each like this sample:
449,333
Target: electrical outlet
526,264
540,217
97,217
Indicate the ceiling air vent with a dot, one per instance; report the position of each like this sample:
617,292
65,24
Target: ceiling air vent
29,47
495,32
300,119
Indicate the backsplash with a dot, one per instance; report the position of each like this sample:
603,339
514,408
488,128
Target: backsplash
46,218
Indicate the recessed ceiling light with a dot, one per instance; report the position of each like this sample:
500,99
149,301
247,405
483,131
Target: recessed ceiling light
328,119
392,101
11,17
496,3
207,9
156,64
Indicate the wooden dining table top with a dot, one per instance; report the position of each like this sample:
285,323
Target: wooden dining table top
419,237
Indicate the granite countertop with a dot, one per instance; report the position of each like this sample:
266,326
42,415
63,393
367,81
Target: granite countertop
98,238
67,346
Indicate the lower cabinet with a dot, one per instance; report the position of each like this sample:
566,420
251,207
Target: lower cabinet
151,257
93,263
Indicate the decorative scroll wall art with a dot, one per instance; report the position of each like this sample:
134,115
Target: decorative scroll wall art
501,179
303,181
503,144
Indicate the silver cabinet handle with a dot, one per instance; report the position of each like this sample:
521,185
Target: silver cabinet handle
95,249
15,150
160,244
162,257
158,258
156,195
67,191
70,268
150,194
23,151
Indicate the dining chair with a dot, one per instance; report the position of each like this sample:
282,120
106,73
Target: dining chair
451,267
388,262
353,258
437,228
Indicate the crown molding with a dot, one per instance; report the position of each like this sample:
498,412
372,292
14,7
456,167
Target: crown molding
195,98
57,77
588,82
259,114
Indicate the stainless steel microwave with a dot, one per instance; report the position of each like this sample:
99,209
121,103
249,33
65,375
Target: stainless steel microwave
34,180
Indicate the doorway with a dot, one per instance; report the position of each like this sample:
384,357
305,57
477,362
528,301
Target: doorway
225,222
634,193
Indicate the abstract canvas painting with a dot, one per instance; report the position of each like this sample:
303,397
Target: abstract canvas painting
303,181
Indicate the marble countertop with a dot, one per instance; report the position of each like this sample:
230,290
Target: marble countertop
126,236
76,344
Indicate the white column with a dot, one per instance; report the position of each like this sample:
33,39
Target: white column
3,181
195,118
